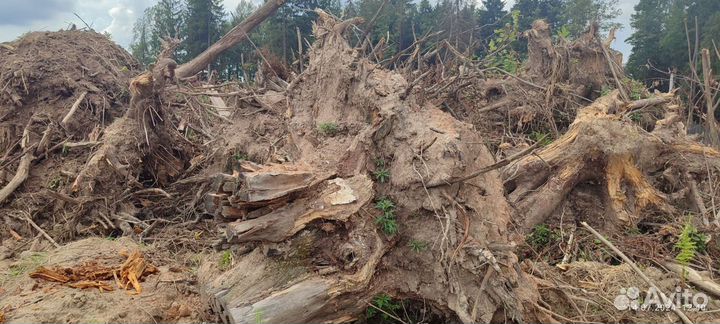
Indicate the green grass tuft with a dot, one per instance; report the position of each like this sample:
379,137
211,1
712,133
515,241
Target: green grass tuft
328,129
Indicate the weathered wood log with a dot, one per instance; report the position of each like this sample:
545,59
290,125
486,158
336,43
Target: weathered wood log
338,200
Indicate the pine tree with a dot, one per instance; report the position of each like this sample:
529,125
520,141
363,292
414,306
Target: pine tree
203,25
648,26
673,44
490,18
166,22
140,46
550,10
578,14
425,20
350,10
492,12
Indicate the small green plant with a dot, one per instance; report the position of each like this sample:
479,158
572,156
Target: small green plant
605,90
501,53
636,117
541,236
387,221
190,134
564,32
544,138
226,259
637,89
55,183
328,128
385,205
417,246
258,316
382,175
383,305
379,163
24,265
240,156
690,243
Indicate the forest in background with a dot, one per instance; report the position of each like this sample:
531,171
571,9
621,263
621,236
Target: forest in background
663,39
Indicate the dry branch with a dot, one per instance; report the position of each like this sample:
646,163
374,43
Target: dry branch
74,108
637,270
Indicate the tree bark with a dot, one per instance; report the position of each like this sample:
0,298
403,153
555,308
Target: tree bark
234,36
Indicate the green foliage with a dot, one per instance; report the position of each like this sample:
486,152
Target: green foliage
417,245
637,89
541,236
648,30
55,183
544,138
240,156
690,242
636,117
328,128
550,10
258,316
385,303
564,32
387,221
385,205
502,55
660,36
226,260
203,25
605,90
382,175
24,265
578,14
160,21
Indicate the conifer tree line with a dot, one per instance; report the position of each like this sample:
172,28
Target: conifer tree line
471,26
668,35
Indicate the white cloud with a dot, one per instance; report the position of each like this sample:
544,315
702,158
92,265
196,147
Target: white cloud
121,26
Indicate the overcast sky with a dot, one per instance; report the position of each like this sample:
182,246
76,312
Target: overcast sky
117,17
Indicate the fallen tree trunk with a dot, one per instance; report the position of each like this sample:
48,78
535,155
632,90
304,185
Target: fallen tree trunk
233,37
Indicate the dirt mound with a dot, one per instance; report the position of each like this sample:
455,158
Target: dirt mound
48,71
168,296
58,91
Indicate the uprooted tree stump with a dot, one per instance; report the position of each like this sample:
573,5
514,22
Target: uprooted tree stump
323,257
605,146
140,143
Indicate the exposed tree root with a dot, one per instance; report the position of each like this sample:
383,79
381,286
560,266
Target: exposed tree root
600,138
474,273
